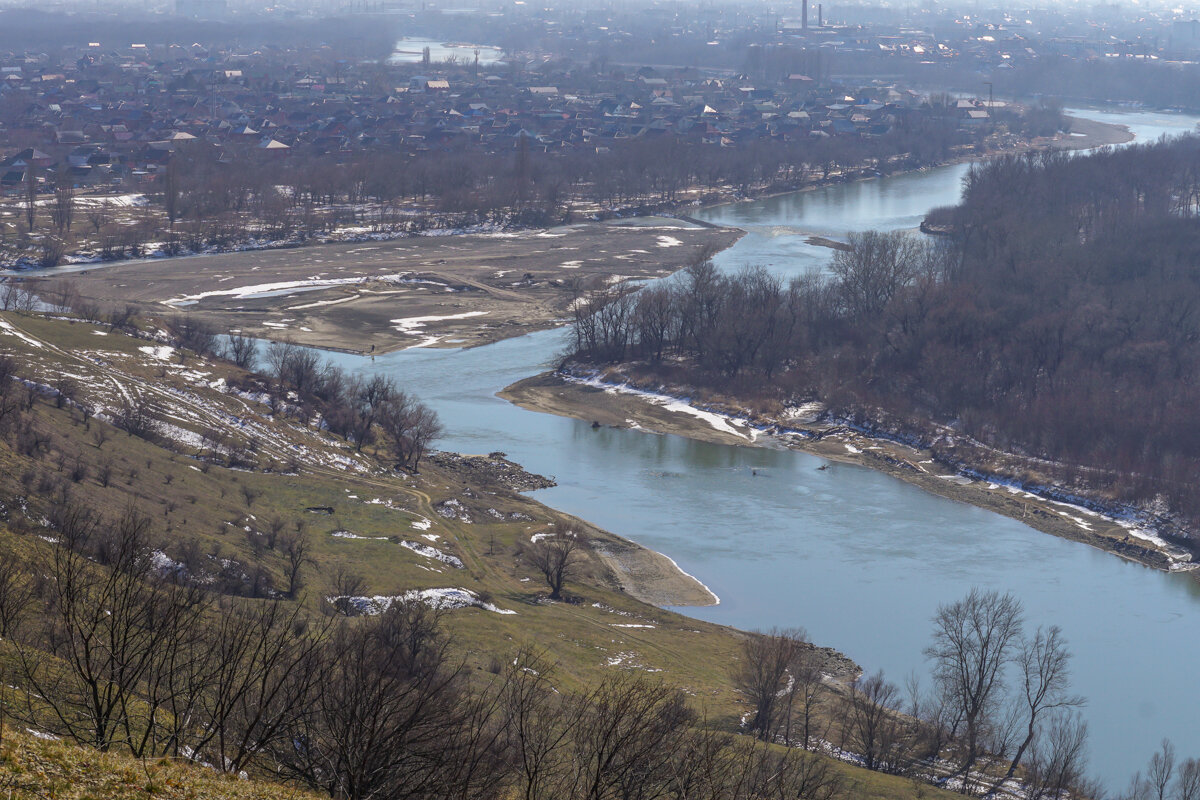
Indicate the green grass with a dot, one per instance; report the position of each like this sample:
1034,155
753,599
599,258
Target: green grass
32,767
198,506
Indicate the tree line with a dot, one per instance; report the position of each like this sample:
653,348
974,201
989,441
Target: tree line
1058,317
999,712
201,201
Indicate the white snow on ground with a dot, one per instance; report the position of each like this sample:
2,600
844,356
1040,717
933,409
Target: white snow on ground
628,658
11,331
437,598
804,411
315,282
164,563
349,535
852,449
325,302
629,625
409,325
669,241
49,737
537,537
434,553
720,422
422,524
119,200
162,353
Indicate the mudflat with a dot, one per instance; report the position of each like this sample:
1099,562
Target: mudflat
432,291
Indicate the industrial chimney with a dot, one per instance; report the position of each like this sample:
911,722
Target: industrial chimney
804,16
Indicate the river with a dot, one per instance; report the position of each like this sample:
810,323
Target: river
859,559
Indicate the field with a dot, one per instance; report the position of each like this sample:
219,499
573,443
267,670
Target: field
449,291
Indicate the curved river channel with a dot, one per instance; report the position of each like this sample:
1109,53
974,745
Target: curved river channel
859,559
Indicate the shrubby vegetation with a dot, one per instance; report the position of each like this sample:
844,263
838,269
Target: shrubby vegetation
119,654
1064,325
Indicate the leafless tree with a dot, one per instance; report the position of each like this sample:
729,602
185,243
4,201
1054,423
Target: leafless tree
136,417
764,676
1044,661
393,718
872,727
1161,770
556,557
537,737
295,550
344,585
16,592
242,350
1056,762
108,630
973,640
624,734
1187,785
266,662
62,212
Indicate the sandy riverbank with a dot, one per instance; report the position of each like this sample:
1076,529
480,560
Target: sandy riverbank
435,291
800,429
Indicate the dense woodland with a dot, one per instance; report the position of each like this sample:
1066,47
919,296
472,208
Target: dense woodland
1063,325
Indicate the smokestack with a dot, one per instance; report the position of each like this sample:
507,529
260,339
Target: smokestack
820,15
804,16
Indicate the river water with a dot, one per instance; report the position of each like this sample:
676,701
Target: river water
859,559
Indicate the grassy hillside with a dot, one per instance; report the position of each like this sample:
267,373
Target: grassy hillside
32,767
232,487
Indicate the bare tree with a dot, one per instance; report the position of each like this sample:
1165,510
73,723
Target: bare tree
242,350
556,557
536,734
764,676
874,269
624,733
345,585
62,212
392,719
264,666
16,592
31,192
136,417
410,428
1161,770
1045,677
1187,785
973,641
1056,762
870,726
295,550
108,630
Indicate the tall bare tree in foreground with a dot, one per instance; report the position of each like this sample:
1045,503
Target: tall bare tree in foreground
974,639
